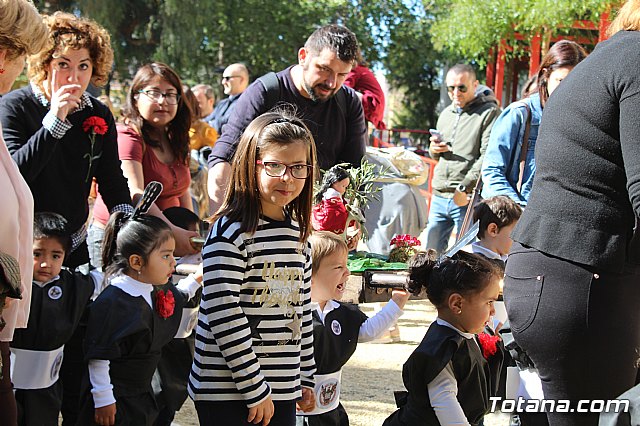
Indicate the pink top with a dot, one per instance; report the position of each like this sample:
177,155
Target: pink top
362,80
16,228
175,178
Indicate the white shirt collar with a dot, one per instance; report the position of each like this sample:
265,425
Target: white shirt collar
462,333
477,248
328,307
133,287
41,284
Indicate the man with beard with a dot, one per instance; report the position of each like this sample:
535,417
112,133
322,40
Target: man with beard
337,125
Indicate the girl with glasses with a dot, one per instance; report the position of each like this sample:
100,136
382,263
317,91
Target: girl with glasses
153,144
254,339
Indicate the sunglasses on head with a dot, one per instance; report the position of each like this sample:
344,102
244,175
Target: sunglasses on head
462,88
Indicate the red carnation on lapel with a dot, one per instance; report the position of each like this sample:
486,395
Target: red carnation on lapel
93,126
96,125
165,303
489,344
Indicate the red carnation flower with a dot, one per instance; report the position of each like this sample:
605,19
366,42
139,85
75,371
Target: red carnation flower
404,240
165,303
489,344
95,125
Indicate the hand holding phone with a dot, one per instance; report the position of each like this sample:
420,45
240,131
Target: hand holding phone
438,145
436,133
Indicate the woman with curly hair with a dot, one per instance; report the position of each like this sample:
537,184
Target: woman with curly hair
59,136
153,145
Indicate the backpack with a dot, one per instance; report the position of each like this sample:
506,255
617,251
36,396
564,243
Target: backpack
272,85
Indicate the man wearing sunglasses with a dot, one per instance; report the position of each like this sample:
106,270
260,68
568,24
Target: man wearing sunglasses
314,86
458,145
235,79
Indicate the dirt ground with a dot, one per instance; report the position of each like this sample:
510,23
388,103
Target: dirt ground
374,372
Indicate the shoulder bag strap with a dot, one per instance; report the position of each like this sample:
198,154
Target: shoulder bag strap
272,86
524,148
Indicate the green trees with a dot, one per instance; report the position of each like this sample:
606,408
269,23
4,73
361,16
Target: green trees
470,28
200,37
412,40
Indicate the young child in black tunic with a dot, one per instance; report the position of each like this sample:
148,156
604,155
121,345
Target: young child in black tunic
130,321
498,216
453,372
338,327
58,299
171,377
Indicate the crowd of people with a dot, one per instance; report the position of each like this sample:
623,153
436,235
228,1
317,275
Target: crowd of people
94,328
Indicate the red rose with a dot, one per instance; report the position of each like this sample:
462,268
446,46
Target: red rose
96,125
165,303
489,344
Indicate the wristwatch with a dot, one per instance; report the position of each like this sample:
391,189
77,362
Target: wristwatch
461,188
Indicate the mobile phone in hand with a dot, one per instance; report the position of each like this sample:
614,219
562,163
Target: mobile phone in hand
436,133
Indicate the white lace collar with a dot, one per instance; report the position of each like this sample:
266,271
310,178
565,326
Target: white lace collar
133,287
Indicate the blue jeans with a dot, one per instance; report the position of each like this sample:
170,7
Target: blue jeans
443,215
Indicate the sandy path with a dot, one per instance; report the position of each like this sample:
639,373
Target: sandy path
374,372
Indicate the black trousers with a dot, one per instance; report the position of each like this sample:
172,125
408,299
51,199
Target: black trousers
39,407
73,364
337,417
580,326
236,412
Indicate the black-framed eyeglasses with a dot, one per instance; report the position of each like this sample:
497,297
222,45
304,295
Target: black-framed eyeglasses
229,77
277,169
156,96
462,88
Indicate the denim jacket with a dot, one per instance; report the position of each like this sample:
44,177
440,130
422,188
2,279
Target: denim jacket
500,167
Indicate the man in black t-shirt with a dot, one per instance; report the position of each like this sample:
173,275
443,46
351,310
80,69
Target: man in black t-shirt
336,122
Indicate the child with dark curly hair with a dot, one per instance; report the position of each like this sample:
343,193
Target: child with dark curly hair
455,369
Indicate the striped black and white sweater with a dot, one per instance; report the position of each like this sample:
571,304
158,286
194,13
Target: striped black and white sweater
255,335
